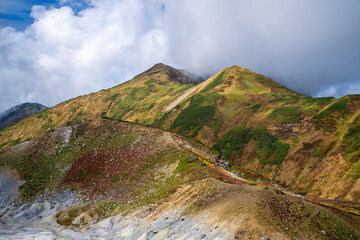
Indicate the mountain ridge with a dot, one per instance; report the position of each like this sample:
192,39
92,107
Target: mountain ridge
160,157
275,126
17,113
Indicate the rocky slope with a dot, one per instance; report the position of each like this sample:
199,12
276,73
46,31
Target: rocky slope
16,114
110,179
243,124
252,121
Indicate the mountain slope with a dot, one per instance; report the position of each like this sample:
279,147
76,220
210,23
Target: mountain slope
16,114
239,96
134,181
307,145
141,99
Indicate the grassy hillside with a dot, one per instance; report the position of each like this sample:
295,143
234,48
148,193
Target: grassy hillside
141,99
305,144
124,169
102,158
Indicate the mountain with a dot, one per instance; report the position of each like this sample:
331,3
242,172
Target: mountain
18,113
173,74
131,181
252,121
307,145
141,99
162,144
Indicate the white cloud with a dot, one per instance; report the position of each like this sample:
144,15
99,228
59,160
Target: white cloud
62,55
307,45
339,90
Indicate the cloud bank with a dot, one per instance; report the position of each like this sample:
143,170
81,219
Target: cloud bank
310,46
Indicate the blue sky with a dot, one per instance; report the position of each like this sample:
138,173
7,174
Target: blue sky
68,49
16,13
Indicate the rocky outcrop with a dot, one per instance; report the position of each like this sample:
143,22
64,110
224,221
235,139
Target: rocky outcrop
18,113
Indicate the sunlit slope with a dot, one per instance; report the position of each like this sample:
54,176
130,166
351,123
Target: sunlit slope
238,96
141,99
309,145
161,179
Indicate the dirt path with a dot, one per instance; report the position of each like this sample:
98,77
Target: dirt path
208,158
182,97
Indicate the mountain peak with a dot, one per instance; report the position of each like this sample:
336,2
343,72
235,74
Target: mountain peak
247,81
19,112
235,67
172,74
160,65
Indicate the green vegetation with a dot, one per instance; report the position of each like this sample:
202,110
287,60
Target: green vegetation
306,105
43,114
73,122
233,140
114,96
47,124
109,207
355,171
155,189
37,181
150,83
96,150
322,101
328,118
11,143
139,101
66,217
99,210
351,141
253,109
200,112
334,109
217,81
284,99
250,101
286,115
312,106
187,165
271,150
324,150
267,81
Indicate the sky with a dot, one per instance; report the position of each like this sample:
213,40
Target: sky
54,50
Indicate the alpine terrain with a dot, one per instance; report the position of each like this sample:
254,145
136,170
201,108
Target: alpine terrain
164,156
18,113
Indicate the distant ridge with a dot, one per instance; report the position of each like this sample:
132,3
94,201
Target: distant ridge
19,112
